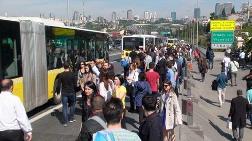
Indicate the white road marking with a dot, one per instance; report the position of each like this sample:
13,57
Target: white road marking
45,113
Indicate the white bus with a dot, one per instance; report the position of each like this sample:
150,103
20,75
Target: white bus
136,42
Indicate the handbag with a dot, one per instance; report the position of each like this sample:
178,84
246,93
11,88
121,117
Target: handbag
229,123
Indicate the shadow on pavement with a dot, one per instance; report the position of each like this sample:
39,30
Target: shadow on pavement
59,115
209,101
220,131
222,118
214,75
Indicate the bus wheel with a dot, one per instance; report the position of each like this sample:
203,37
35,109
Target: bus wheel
56,93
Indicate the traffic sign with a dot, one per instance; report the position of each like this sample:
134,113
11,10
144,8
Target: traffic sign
222,25
222,37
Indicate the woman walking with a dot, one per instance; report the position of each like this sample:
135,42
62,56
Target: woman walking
89,92
170,111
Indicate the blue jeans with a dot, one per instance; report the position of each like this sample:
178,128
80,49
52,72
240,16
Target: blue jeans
68,101
250,117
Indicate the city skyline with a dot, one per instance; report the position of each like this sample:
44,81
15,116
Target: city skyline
163,8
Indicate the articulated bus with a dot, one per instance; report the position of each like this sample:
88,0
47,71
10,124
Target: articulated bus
136,42
33,50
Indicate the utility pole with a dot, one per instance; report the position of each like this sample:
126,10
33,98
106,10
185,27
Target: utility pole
68,21
248,11
197,44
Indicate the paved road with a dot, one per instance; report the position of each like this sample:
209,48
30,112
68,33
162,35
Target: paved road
209,118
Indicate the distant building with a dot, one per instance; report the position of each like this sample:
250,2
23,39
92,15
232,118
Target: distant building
130,15
174,16
154,17
196,13
114,17
76,16
146,15
226,6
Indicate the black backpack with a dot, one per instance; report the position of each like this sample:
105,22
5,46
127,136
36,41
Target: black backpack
214,85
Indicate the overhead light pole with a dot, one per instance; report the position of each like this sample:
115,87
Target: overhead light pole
68,21
197,44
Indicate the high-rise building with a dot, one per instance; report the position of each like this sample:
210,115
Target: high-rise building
174,16
196,13
130,14
146,15
226,6
114,17
76,16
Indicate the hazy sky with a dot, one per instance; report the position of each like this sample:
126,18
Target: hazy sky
106,7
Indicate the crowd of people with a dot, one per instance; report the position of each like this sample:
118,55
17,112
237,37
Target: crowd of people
152,80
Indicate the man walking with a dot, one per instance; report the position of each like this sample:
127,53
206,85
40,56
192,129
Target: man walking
14,123
68,81
113,114
96,122
151,128
153,78
238,110
222,83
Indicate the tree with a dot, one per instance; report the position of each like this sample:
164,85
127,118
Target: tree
223,13
233,10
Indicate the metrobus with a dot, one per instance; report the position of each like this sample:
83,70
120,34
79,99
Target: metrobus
33,50
136,42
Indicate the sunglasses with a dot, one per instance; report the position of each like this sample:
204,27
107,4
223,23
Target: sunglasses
166,85
82,64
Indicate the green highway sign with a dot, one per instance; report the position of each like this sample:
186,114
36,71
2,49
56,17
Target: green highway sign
222,37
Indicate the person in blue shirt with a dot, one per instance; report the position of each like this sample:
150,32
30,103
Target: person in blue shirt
170,75
222,83
249,97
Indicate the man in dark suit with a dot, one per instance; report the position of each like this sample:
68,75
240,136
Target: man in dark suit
238,109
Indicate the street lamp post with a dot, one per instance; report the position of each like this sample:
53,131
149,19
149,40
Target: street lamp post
68,12
197,44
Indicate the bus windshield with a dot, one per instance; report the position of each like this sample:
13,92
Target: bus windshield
130,43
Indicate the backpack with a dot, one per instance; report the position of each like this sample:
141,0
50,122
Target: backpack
124,62
214,85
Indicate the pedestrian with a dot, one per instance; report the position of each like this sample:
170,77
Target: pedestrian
120,92
210,57
222,81
113,113
151,128
234,66
238,110
14,123
96,122
68,82
226,62
170,111
153,78
202,64
249,97
131,79
161,68
248,79
170,75
90,90
106,86
142,88
242,59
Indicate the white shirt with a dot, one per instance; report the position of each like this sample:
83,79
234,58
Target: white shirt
95,71
107,94
12,113
234,66
242,55
226,60
147,61
133,76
